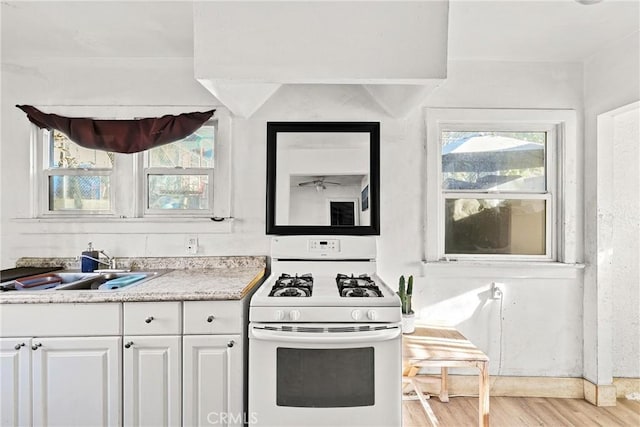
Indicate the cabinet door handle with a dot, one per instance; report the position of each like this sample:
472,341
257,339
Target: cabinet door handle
128,344
19,346
210,319
148,319
36,346
231,343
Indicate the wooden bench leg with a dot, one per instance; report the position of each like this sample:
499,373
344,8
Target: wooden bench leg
444,384
425,405
483,404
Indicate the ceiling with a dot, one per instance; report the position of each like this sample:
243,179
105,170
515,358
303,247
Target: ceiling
510,30
488,30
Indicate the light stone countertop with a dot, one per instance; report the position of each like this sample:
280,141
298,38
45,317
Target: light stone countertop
228,280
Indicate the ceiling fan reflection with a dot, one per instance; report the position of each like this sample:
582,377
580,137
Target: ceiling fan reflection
320,183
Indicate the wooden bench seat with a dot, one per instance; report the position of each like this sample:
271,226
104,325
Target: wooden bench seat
444,347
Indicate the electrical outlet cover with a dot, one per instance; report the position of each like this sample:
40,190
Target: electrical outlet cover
192,245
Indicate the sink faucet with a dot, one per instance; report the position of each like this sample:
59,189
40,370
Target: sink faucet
110,262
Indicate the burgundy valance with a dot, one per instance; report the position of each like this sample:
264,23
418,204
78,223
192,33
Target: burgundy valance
122,136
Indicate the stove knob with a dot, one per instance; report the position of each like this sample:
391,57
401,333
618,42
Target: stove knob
356,314
279,315
294,315
372,314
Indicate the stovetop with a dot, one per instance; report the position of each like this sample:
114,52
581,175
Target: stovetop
347,286
307,289
324,280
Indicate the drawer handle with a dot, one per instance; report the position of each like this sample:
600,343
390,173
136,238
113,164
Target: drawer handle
19,346
36,346
231,343
148,319
210,319
128,344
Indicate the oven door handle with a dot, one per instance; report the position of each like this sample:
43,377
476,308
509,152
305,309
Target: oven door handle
326,337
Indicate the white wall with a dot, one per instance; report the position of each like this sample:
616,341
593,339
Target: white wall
540,318
536,329
611,81
311,207
626,245
130,81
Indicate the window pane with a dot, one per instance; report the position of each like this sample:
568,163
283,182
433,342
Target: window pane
500,161
178,192
495,226
194,151
87,193
64,153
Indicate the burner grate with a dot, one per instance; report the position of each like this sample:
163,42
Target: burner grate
360,286
292,286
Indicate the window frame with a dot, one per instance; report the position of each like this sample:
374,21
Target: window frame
128,179
163,171
560,126
45,172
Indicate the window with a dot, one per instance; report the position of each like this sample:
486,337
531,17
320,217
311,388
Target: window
179,176
497,191
78,180
493,186
189,178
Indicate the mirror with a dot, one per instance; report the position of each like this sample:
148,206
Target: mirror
323,178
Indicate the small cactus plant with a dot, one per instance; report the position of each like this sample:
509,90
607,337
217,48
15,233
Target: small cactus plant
405,293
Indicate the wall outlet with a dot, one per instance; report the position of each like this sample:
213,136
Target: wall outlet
192,245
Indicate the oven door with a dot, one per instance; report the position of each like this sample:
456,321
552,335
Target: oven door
314,375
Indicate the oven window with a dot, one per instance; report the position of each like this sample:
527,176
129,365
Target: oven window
325,378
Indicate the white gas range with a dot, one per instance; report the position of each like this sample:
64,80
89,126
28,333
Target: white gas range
324,337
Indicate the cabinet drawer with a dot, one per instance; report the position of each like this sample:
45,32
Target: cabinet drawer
212,317
152,318
68,320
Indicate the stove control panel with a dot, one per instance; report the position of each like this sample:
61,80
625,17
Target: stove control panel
324,245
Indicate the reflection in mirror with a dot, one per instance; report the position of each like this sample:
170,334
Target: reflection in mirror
321,178
316,170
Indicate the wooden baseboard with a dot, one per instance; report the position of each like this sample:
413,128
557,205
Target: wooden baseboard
576,388
599,395
625,386
467,385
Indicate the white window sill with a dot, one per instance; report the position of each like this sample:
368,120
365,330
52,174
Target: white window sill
502,269
113,225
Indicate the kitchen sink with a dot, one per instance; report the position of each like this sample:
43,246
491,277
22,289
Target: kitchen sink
68,280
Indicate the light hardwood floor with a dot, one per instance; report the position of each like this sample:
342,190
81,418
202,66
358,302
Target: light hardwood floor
523,411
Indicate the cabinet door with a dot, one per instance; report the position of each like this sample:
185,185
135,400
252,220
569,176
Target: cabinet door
152,381
15,381
76,381
213,382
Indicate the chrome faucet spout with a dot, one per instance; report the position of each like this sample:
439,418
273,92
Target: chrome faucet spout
110,262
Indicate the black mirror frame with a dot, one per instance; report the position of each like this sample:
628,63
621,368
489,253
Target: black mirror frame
373,129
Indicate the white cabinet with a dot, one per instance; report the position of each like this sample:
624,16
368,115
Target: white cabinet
15,381
152,363
212,392
52,372
76,381
213,363
61,381
152,380
167,363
